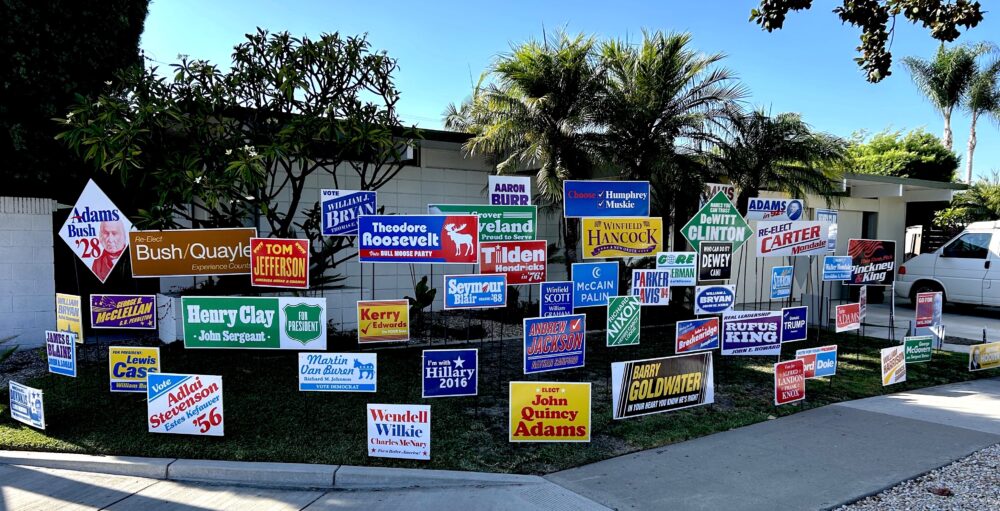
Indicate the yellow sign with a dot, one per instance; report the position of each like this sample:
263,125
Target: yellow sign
622,237
129,366
383,321
549,412
69,315
984,356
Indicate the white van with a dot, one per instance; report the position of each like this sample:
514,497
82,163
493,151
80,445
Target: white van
966,268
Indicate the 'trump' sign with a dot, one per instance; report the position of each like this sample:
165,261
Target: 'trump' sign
418,239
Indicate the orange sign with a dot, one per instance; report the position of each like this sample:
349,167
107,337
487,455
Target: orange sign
190,252
278,262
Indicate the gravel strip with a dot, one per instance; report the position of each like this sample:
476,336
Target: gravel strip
971,483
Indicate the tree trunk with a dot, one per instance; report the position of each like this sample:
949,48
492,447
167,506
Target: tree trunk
572,235
972,148
946,139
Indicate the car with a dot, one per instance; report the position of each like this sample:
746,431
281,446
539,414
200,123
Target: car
966,268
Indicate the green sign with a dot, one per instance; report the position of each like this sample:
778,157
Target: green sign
717,220
496,223
278,323
918,349
623,320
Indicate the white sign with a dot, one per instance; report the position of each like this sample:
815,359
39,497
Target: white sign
338,372
26,405
96,231
799,238
510,191
682,266
184,404
399,431
761,208
713,188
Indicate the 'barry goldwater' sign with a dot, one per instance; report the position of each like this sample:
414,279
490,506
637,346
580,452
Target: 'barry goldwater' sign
475,291
524,262
593,283
556,299
340,210
450,373
510,190
605,198
190,252
751,333
682,267
760,208
130,366
338,372
652,287
285,323
554,343
496,223
439,239
96,231
714,299
717,220
27,405
918,348
399,431
697,335
799,238
624,314
818,362
123,311
621,237
549,412
185,404
657,385
60,347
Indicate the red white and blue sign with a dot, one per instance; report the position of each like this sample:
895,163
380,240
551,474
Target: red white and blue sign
605,198
794,321
651,286
428,239
340,210
60,347
781,282
451,373
556,300
475,291
554,343
751,333
714,299
819,362
697,335
593,283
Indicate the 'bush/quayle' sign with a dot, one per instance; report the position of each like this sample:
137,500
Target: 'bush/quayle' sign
622,237
751,333
593,283
873,262
714,299
799,238
450,373
717,220
27,405
278,262
554,343
556,299
496,223
697,335
338,372
185,404
657,385
437,239
96,231
624,314
549,411
682,267
399,431
760,208
123,311
383,321
278,323
60,348
475,291
605,198
130,366
340,210
524,262
818,362
191,252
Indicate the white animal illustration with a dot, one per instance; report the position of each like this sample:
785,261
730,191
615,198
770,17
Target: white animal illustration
459,238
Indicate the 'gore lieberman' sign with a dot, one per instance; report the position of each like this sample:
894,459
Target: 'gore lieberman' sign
681,266
496,223
418,239
190,252
622,237
657,385
279,263
873,261
717,220
289,323
780,239
524,262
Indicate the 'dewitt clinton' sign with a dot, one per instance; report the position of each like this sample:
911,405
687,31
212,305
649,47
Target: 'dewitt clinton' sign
717,220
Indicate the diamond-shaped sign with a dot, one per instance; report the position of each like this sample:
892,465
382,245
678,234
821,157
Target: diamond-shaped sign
96,231
717,220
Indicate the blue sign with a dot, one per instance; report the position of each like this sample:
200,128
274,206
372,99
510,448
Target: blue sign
26,405
714,299
819,362
605,198
475,291
450,373
837,268
829,215
554,343
60,347
781,282
794,324
340,209
593,283
557,299
418,239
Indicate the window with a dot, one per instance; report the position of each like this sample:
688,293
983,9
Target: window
971,245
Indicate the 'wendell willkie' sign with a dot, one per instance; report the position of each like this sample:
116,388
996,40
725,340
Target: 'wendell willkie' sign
399,431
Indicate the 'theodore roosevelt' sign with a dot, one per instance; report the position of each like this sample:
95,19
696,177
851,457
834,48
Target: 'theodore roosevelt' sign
276,323
190,252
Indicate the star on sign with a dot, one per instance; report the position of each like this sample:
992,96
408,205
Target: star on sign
459,361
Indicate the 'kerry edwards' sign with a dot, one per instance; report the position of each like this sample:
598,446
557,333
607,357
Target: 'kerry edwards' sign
451,373
285,323
383,321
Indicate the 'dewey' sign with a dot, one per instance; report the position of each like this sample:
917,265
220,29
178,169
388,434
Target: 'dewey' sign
510,190
818,362
799,238
279,263
714,299
185,404
848,317
681,266
383,321
130,366
190,252
439,239
556,299
475,291
717,220
715,260
275,323
751,333
399,431
554,343
338,372
622,237
789,381
524,262
496,223
123,311
340,210
605,198
760,208
60,348
657,385
593,283
652,287
549,411
697,335
96,231
451,373
873,262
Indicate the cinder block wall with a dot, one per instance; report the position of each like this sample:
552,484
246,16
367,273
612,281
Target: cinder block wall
27,275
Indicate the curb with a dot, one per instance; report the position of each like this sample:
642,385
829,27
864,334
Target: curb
356,478
281,475
153,468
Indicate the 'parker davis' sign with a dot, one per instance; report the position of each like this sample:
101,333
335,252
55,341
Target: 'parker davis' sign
697,335
593,283
621,237
751,333
657,385
496,223
549,412
338,372
399,431
714,299
717,220
651,286
129,367
715,260
760,208
185,404
836,268
438,239
556,299
791,239
341,209
781,282
96,231
27,405
450,373
873,262
191,252
605,198
276,323
794,324
123,311
60,348
524,262
554,343
510,190
819,362
475,291
682,266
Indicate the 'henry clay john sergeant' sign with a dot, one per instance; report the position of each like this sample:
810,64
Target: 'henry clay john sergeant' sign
190,252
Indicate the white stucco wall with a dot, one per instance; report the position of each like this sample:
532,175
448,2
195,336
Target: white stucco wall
27,275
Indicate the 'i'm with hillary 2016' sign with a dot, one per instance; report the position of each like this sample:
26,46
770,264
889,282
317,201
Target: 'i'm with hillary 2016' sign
340,210
657,385
185,404
475,291
554,343
605,198
496,223
418,239
717,220
450,373
751,333
254,322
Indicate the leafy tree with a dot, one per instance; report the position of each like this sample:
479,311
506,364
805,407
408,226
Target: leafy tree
877,21
48,52
945,79
917,155
983,97
218,148
981,202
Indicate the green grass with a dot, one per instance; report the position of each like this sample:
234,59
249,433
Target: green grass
268,419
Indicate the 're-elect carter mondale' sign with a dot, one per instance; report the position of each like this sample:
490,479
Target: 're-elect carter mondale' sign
190,252
418,239
799,238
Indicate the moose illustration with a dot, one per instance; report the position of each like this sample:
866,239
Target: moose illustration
459,238
364,368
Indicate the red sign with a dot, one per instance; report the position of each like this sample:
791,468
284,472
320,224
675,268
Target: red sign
279,263
926,305
848,317
524,262
789,381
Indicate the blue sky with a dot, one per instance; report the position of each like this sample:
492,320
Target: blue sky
442,46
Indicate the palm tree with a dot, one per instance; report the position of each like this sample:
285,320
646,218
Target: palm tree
779,153
980,202
982,97
944,79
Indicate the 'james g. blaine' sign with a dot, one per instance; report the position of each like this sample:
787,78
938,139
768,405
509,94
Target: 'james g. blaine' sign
190,252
